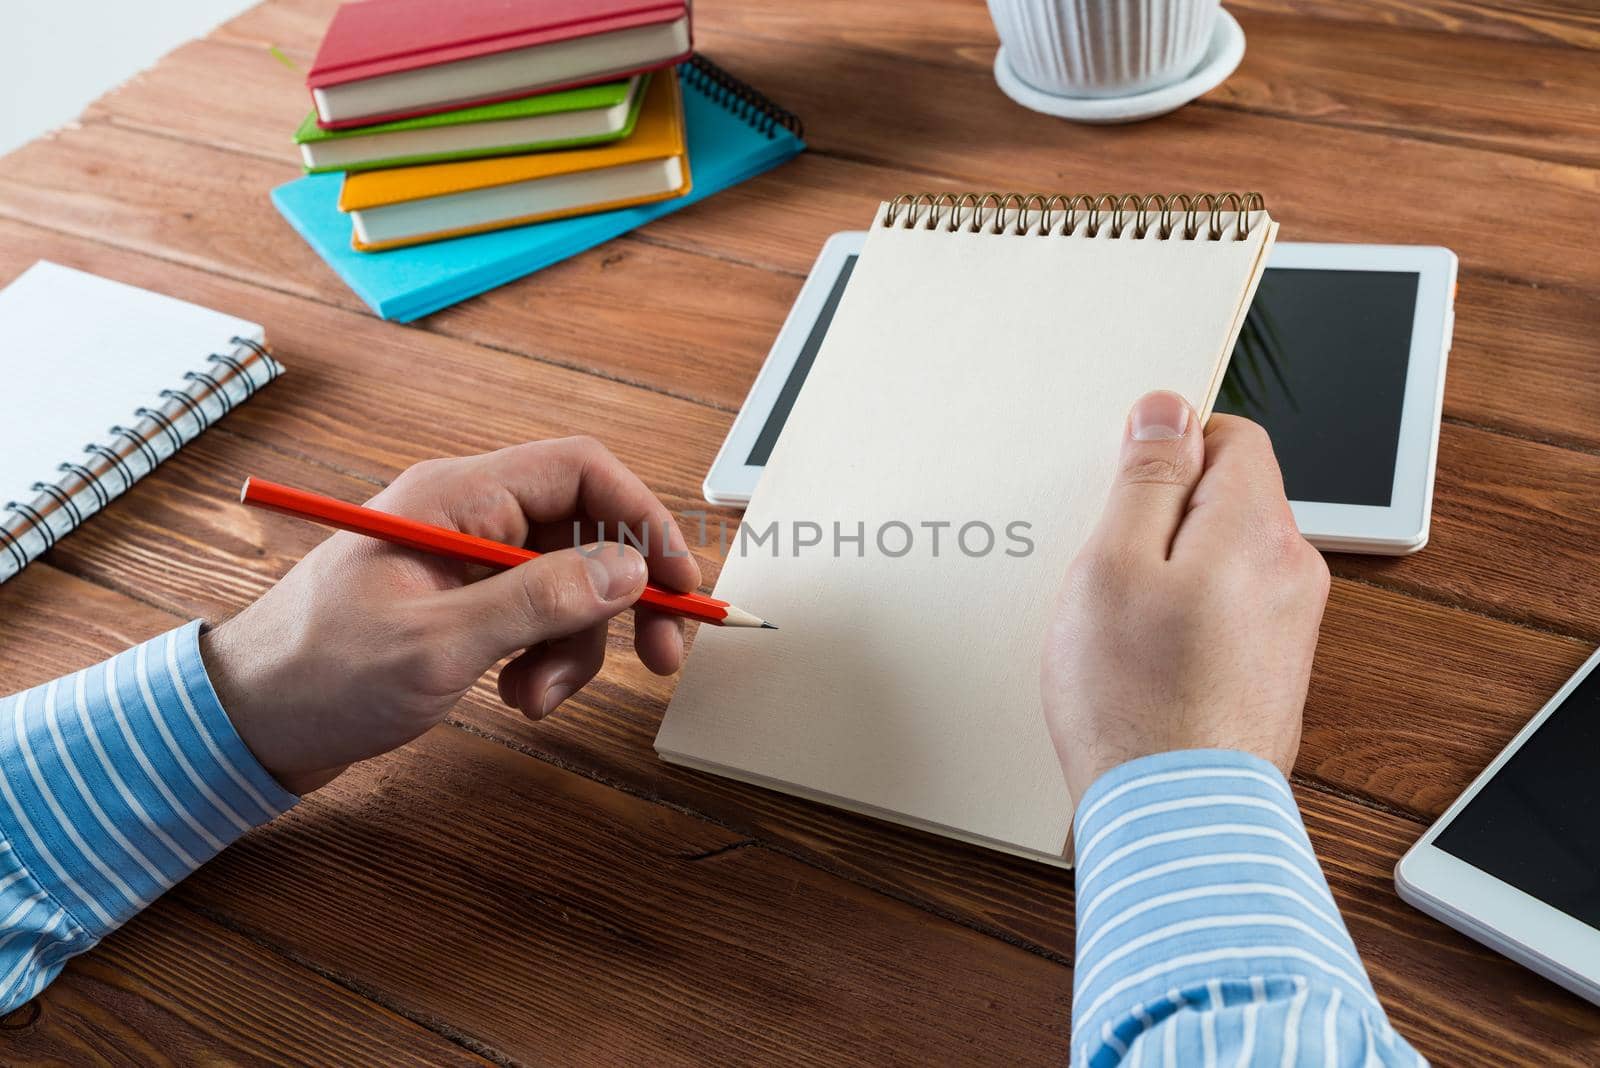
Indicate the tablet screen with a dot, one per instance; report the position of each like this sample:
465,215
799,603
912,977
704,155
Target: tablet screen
1533,824
1321,363
802,367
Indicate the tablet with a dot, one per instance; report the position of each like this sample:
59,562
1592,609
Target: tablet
1341,358
1515,862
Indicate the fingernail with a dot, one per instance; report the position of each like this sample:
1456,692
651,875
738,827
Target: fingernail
553,697
614,571
1159,416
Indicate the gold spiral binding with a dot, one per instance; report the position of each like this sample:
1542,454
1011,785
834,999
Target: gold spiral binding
1184,216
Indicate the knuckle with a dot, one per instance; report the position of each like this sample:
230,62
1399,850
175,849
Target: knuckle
1289,549
419,645
542,596
423,471
1173,470
1099,572
553,595
1317,572
1254,433
587,446
1238,427
1285,543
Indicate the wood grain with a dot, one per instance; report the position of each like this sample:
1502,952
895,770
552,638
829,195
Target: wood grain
1521,358
1406,733
1530,100
1565,22
458,881
1515,525
172,986
298,24
947,128
1311,65
356,388
959,25
546,918
551,892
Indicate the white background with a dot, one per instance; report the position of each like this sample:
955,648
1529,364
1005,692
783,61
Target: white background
61,54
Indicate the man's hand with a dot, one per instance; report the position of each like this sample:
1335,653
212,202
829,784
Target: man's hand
363,646
1189,619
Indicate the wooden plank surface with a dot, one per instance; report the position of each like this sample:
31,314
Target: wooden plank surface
173,986
1535,331
419,880
541,917
551,892
1508,492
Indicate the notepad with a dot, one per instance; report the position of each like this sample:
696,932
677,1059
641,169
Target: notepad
977,376
103,381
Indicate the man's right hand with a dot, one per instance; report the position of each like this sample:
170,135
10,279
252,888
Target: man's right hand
363,646
1190,618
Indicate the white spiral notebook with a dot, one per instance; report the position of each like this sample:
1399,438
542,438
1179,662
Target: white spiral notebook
979,370
103,381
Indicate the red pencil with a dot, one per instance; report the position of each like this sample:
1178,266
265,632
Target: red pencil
442,541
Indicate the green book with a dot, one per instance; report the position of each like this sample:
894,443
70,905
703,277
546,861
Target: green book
590,115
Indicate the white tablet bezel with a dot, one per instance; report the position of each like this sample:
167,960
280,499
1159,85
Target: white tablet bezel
731,480
1401,527
1561,948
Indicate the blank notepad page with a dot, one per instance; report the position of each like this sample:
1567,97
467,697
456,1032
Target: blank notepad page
79,352
969,377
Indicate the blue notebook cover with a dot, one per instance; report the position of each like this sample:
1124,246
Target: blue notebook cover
729,141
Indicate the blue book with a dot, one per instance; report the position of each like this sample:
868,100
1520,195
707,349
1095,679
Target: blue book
733,134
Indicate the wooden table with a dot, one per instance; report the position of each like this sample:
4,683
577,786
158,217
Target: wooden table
511,892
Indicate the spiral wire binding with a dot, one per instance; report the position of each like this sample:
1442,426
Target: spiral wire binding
189,405
240,369
140,445
741,98
90,479
14,547
27,511
55,493
173,434
136,442
1016,213
213,385
117,463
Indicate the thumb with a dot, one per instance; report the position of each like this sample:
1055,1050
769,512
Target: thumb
558,594
1163,454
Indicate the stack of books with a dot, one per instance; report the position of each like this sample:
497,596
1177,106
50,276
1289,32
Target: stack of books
445,126
453,119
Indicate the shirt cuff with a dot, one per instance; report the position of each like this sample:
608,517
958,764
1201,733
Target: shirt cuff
1198,889
118,781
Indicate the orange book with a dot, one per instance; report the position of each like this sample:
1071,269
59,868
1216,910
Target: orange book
411,205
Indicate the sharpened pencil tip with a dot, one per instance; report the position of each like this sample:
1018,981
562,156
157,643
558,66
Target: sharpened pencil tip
768,626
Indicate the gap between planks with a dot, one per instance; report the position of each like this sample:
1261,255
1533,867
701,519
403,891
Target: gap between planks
1406,132
365,991
141,130
1401,589
1437,35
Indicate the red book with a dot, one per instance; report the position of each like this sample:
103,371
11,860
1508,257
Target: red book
392,59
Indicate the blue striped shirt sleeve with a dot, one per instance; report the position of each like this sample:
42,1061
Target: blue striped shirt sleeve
115,783
1206,931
